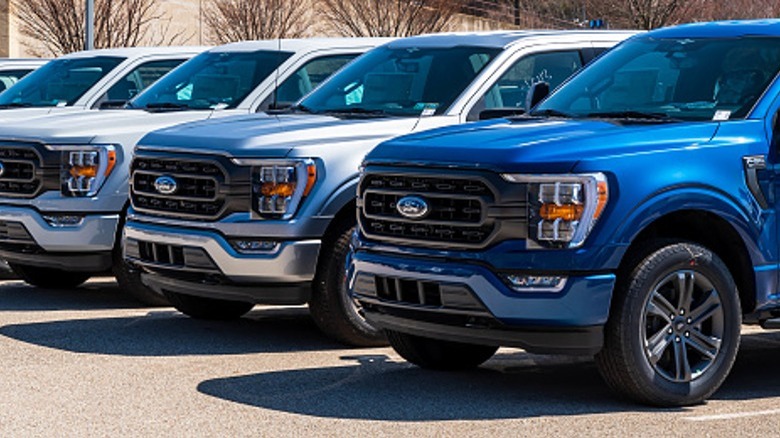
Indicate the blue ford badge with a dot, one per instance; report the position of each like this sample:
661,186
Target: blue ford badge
166,185
412,207
2,169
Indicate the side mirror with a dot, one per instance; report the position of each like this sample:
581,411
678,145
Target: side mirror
536,94
498,113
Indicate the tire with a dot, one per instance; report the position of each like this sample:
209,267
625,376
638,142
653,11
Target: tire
129,280
208,308
674,328
331,306
49,278
440,355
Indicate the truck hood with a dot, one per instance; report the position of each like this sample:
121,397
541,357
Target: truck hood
549,145
262,136
14,115
85,127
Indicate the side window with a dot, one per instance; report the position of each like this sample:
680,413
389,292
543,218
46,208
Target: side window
305,79
511,88
136,81
10,77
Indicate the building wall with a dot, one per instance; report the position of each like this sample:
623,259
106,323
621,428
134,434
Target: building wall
180,23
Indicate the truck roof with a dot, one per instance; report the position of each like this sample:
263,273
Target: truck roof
135,52
296,44
502,39
721,29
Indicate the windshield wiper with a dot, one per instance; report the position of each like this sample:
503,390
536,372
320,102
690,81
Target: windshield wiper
291,109
357,111
633,115
16,105
550,113
171,106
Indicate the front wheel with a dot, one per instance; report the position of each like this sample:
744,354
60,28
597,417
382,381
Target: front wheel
49,278
129,280
208,308
332,306
437,354
674,328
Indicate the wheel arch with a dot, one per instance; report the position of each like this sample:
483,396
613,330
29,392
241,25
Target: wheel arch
707,228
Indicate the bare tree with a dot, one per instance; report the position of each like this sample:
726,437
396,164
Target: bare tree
388,17
238,20
733,9
59,24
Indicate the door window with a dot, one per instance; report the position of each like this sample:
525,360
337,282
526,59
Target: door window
512,87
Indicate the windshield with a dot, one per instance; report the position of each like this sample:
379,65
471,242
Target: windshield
401,81
211,80
58,83
684,79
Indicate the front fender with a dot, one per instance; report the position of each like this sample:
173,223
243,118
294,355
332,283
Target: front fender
753,225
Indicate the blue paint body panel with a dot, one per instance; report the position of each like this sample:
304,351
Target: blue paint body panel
653,170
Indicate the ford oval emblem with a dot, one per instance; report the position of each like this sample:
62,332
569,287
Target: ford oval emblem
166,185
2,170
412,207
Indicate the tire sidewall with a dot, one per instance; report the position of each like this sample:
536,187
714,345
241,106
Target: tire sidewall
338,266
639,289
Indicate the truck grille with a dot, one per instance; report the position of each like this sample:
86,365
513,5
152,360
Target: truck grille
201,189
462,208
18,177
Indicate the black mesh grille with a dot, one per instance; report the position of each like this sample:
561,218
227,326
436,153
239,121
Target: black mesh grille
18,177
457,208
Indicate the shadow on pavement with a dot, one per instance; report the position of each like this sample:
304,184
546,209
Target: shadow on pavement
169,333
755,372
95,295
518,385
515,385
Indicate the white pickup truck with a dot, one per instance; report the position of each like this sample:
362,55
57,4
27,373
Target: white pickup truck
63,190
89,80
234,212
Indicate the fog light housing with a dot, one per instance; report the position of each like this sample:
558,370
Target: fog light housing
63,220
535,283
249,246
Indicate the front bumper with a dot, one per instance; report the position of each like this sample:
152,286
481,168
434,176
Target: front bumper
26,238
469,303
183,260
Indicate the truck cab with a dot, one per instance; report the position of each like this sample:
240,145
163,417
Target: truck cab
275,215
632,215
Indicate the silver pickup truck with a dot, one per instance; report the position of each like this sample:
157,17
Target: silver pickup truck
64,178
255,209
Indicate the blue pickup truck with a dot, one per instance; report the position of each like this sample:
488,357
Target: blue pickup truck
631,216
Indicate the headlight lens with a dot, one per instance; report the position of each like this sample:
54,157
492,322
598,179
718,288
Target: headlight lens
279,187
85,169
563,209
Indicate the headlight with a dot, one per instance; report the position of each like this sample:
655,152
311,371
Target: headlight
562,209
279,187
84,169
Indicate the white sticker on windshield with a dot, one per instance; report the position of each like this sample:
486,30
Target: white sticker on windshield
721,116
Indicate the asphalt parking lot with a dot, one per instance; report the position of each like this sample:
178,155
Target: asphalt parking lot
88,362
